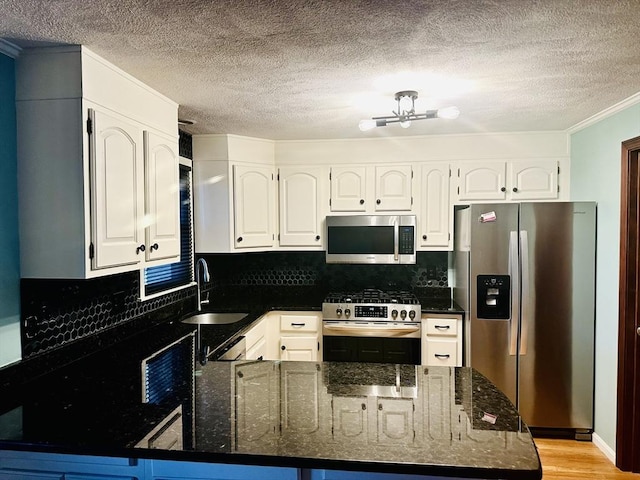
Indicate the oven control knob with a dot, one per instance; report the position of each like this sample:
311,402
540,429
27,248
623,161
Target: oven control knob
347,312
394,313
339,312
403,314
412,314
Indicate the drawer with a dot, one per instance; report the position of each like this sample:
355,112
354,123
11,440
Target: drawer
442,352
442,326
298,323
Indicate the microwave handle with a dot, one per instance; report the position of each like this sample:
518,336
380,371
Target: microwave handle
396,235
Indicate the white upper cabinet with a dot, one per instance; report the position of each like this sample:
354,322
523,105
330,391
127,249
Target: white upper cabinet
303,198
379,188
435,208
254,205
508,180
349,189
97,167
393,188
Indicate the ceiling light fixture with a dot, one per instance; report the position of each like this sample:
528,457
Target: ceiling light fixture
406,113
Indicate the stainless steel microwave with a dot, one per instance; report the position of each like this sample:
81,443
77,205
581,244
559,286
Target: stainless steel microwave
385,239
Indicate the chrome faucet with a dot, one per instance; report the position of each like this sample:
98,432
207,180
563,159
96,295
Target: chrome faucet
205,278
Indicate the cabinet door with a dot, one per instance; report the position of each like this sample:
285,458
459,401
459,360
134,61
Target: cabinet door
254,206
304,349
393,188
349,418
534,180
301,201
348,189
482,181
257,413
162,197
117,202
435,209
395,421
300,399
437,402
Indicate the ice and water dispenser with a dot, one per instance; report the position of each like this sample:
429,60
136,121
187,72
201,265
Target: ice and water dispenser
494,297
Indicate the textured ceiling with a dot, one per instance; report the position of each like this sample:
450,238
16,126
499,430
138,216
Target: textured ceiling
312,69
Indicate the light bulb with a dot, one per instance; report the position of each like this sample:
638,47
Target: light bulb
449,112
365,125
405,124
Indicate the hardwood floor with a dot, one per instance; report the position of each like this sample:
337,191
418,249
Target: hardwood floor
572,460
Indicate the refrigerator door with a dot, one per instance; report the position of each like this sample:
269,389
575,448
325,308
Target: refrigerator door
493,254
557,325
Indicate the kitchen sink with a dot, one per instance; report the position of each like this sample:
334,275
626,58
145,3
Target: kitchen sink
208,318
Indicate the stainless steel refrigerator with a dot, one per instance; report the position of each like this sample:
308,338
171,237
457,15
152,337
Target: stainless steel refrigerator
525,276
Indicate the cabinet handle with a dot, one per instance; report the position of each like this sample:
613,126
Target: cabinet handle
424,237
155,246
442,327
378,201
283,347
515,189
239,239
503,189
361,201
364,406
298,324
141,248
317,237
441,355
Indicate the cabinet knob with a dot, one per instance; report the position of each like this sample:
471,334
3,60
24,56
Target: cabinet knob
515,189
424,237
283,347
361,201
503,189
364,406
317,237
239,239
378,201
141,248
155,246
638,331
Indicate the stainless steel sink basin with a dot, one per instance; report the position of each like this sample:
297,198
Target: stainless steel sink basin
208,318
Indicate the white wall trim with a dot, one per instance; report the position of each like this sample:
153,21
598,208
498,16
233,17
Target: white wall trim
9,48
607,112
604,448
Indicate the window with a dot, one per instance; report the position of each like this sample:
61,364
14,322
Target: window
163,278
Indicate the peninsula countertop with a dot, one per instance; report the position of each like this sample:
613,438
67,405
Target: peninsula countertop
315,415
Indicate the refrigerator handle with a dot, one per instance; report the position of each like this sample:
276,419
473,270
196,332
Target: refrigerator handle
526,292
515,299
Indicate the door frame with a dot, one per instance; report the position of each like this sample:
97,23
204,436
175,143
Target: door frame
628,400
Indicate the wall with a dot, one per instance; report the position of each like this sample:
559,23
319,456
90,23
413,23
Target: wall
9,248
595,175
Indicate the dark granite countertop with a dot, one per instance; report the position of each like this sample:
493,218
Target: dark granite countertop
366,417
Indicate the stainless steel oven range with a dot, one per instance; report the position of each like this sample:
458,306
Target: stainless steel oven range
371,326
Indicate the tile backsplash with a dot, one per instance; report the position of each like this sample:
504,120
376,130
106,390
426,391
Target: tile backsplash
56,313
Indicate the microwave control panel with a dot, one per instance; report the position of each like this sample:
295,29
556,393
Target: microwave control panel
406,240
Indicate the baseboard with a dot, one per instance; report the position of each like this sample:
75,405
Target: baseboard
604,448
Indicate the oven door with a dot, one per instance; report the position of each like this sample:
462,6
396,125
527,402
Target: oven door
371,342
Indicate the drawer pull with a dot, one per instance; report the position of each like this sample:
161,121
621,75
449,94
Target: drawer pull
298,324
442,327
441,355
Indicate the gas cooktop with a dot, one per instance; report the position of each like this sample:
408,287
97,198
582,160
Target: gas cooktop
371,305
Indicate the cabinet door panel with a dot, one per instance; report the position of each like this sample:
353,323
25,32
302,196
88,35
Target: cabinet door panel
253,206
534,180
348,189
482,181
116,204
435,206
300,389
395,421
300,206
162,198
303,349
349,417
393,188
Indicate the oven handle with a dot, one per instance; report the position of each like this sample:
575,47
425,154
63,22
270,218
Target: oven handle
385,329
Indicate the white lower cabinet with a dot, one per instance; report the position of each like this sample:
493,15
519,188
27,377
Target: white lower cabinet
442,340
256,340
300,336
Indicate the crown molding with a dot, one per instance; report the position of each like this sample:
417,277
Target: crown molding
607,112
9,48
